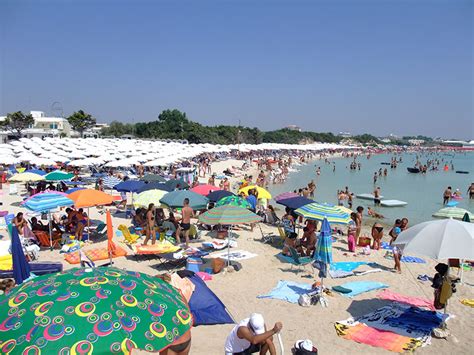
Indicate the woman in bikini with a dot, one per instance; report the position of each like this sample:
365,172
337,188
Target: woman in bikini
377,235
150,224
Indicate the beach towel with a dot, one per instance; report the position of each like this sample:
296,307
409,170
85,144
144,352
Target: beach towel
386,246
467,302
359,287
412,259
364,334
413,301
347,266
95,254
234,255
288,291
404,320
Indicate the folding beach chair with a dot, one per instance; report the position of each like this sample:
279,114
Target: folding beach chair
266,237
299,261
129,237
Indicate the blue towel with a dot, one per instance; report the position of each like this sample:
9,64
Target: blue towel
385,245
359,287
288,291
412,259
347,266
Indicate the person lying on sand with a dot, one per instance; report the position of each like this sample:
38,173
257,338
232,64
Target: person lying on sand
374,214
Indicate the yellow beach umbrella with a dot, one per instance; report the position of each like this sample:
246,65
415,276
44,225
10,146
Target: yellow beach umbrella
262,193
26,177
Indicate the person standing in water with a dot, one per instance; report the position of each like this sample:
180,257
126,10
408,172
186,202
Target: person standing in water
447,195
377,196
375,178
470,191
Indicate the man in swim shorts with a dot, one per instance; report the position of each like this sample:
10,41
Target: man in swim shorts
187,213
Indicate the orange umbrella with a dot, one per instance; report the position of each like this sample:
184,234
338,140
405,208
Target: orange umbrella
90,198
110,234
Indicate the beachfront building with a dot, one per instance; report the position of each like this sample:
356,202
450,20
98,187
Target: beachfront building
43,127
95,132
293,127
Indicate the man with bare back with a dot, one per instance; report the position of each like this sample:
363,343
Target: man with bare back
187,213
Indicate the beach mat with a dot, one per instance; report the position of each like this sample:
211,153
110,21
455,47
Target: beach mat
413,301
358,287
288,291
95,254
364,334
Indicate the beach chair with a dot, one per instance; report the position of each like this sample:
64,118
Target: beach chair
129,237
44,241
98,231
299,261
281,235
266,237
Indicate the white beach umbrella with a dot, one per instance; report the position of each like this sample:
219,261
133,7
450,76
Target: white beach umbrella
8,159
442,239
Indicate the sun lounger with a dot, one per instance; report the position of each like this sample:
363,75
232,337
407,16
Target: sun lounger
129,237
95,254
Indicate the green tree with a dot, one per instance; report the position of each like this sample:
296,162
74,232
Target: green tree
81,121
118,129
16,122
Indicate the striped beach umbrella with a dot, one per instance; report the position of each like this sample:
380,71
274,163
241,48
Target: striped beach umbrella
453,212
47,201
319,212
233,201
111,181
323,252
229,215
285,195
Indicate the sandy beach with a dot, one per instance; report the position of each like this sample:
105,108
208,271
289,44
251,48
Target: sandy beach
259,275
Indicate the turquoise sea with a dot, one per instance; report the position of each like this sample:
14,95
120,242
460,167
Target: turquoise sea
423,192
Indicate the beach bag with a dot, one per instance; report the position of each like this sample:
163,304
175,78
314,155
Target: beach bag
364,241
308,299
217,265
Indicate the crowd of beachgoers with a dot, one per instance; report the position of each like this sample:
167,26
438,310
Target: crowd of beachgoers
197,181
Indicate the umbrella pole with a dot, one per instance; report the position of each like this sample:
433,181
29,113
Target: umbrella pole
88,224
229,233
50,232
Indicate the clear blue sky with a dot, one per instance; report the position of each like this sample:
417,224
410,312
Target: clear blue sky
403,67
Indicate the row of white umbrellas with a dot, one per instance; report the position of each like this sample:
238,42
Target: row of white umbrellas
123,153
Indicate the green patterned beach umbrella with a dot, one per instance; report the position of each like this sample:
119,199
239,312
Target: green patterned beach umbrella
229,215
233,201
92,311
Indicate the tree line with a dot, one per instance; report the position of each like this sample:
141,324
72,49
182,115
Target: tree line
174,124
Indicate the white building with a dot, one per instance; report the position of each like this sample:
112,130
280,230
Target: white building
43,127
95,132
293,127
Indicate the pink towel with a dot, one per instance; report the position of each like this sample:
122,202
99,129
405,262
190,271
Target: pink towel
413,301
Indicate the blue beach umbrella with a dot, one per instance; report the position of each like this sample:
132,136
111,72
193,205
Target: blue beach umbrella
45,202
21,268
295,202
36,171
74,189
129,186
215,196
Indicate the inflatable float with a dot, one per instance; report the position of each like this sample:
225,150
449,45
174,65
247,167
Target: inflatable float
393,203
413,170
462,172
367,196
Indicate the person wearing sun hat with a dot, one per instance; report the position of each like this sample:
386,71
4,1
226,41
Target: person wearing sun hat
251,336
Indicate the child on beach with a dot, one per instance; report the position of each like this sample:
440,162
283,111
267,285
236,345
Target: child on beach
6,285
397,253
351,232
